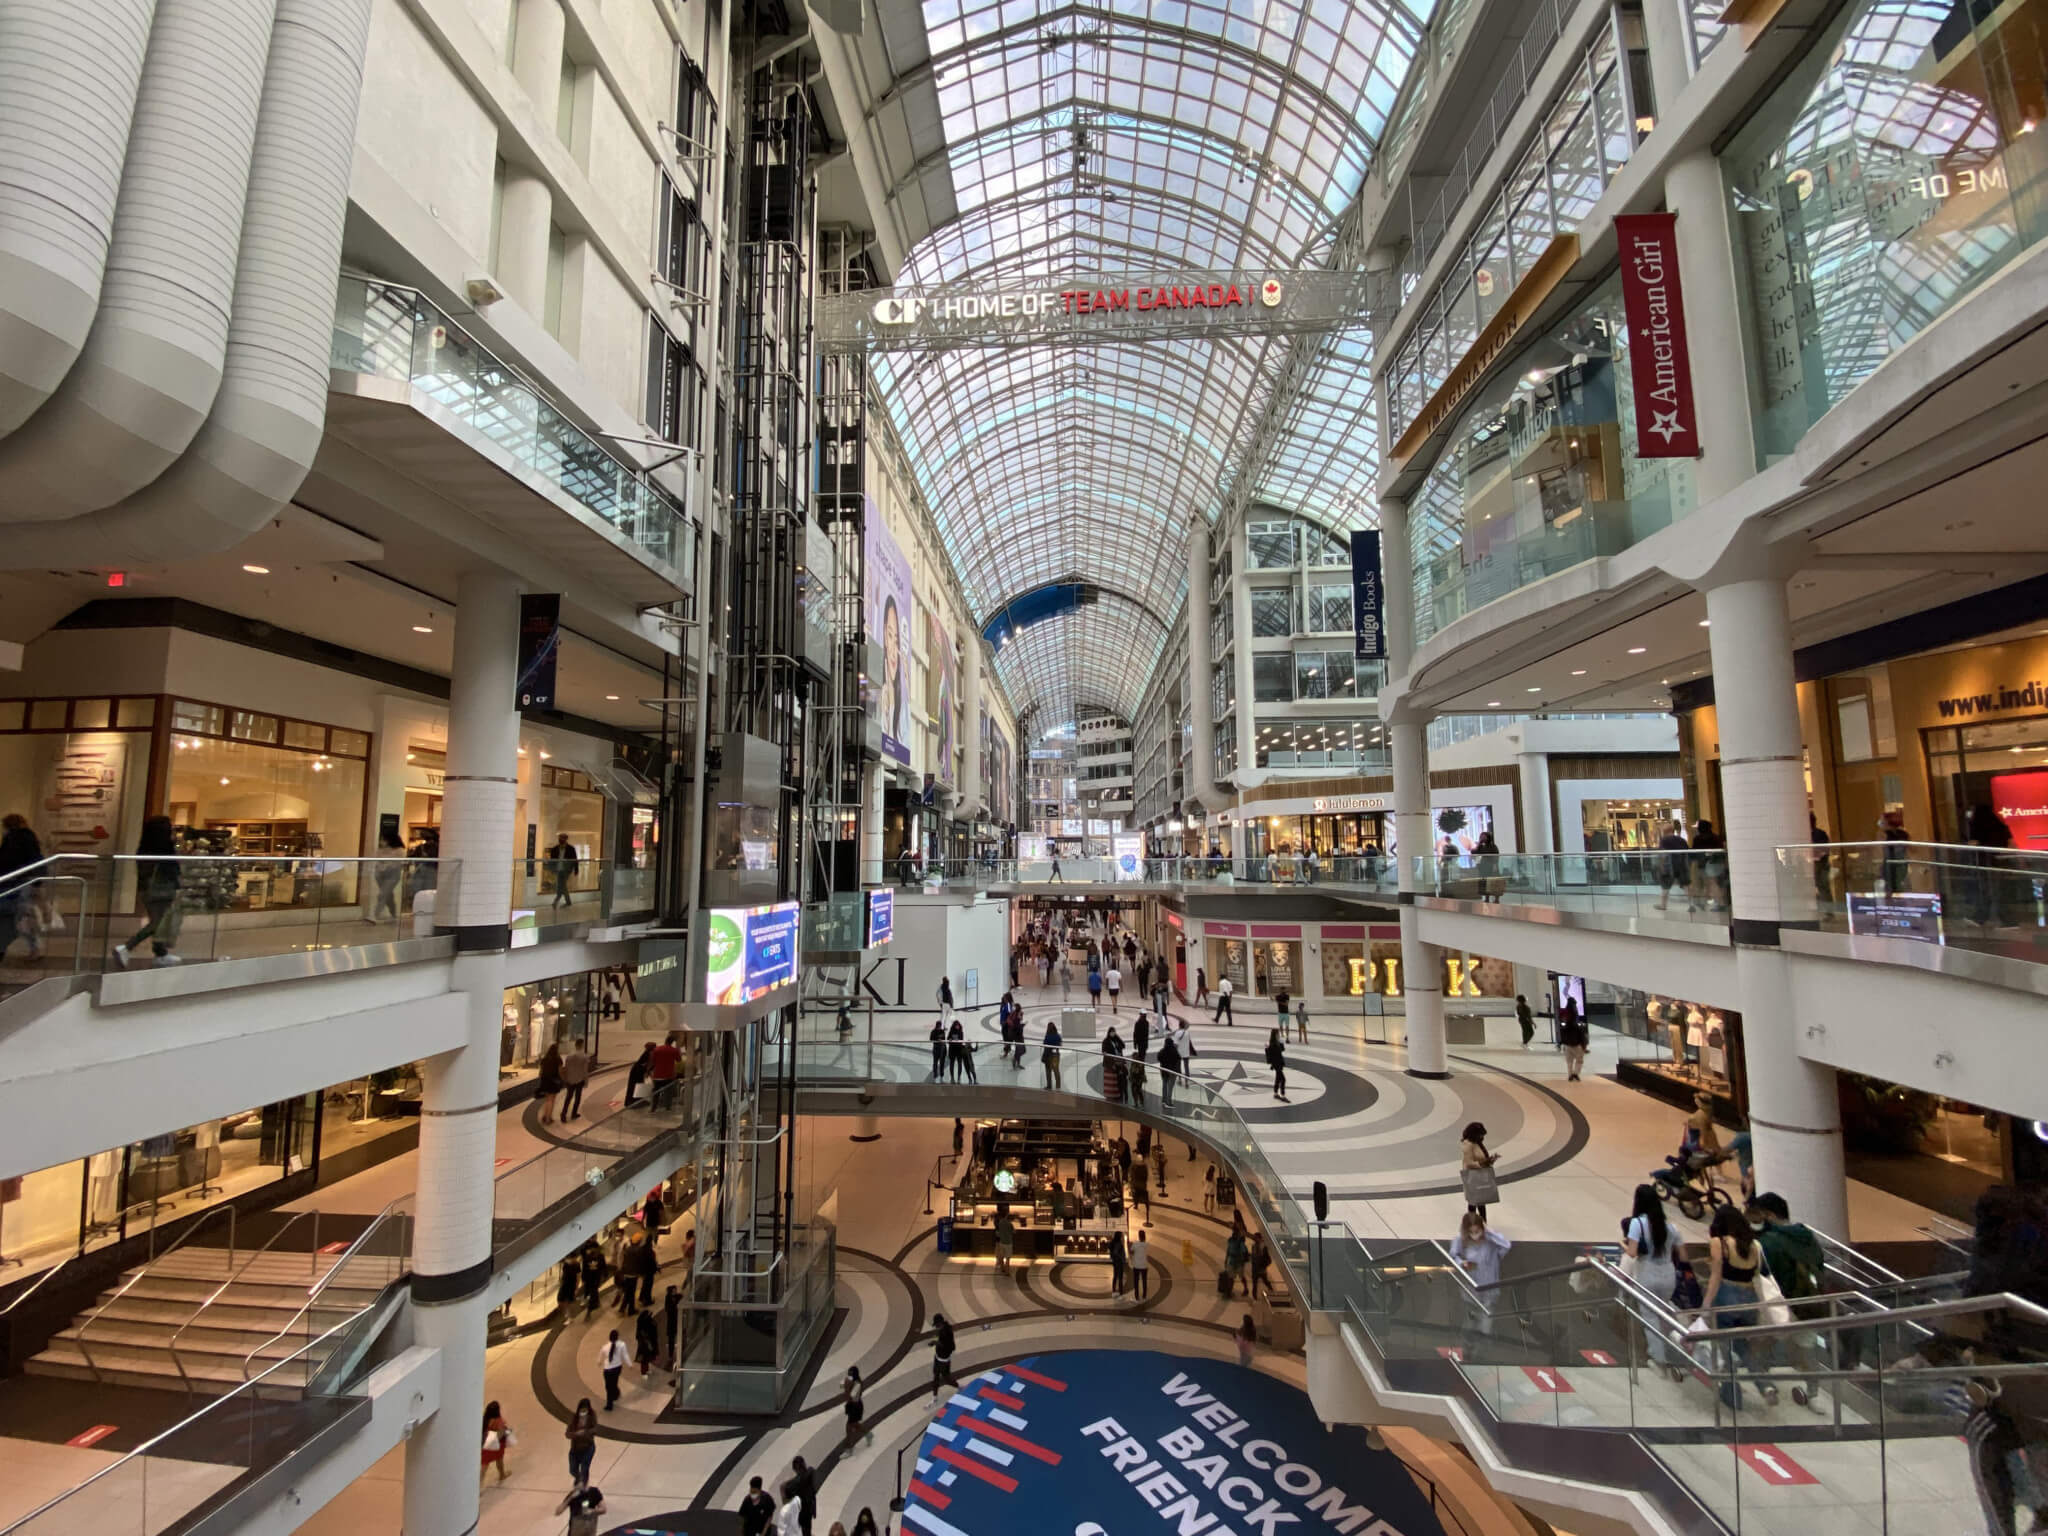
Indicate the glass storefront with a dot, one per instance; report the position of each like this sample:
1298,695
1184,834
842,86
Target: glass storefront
1890,175
1540,473
1689,1045
50,1214
1612,826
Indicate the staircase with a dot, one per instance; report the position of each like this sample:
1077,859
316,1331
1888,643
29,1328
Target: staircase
127,1336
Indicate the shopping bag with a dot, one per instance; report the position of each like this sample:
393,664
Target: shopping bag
1481,1187
1774,1313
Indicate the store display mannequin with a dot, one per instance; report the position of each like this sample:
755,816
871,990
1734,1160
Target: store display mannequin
103,1189
206,1146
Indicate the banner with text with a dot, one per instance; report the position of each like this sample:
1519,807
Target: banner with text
1368,618
1094,1441
1667,427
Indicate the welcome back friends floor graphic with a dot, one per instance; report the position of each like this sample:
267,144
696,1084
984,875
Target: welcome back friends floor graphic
1116,1442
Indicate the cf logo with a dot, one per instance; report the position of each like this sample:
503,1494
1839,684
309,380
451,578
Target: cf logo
898,311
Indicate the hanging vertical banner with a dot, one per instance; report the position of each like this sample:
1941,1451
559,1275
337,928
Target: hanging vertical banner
540,642
888,599
1368,622
1660,367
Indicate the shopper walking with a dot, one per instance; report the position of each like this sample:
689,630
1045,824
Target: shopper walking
1170,1064
1301,1020
636,1074
803,1487
1734,1260
1793,1257
497,1440
856,1401
1115,982
757,1509
386,874
1246,1335
159,876
1141,1264
20,849
1572,1037
1261,1266
612,1361
646,1342
1117,1262
1672,868
575,1073
1049,1057
1209,1189
1236,1258
582,1437
583,1505
1648,1258
957,1065
664,1072
1475,1169
1282,1000
592,1266
1276,1058
942,1353
1094,987
1526,1019
1223,991
563,863
550,1083
1066,980
1201,985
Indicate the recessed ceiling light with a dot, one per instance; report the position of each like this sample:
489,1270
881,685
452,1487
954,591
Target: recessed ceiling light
1705,622
257,570
611,698
1637,650
1535,690
423,629
1493,703
1581,672
223,778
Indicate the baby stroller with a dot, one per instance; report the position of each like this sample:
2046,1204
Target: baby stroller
1687,1180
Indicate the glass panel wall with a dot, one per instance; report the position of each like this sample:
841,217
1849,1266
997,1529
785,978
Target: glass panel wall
1894,171
1541,472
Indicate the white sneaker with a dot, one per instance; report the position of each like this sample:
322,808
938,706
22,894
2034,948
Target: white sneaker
170,959
121,956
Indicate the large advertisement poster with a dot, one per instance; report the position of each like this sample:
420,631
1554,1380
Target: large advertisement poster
749,952
946,688
996,786
1128,848
888,621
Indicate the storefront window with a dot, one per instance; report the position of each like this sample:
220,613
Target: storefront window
48,1215
2003,765
1888,177
1541,473
79,783
1344,973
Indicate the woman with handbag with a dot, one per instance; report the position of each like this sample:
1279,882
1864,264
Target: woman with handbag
1475,1169
1646,1258
497,1440
1735,1266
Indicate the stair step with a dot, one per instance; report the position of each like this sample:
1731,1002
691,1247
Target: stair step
131,1367
229,1312
192,1342
193,1291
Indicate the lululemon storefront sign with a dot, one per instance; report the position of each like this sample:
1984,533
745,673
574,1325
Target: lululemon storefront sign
1660,367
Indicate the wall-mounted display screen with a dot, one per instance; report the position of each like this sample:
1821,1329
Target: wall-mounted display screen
749,952
881,918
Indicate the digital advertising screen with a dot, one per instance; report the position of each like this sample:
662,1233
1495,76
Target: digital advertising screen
881,918
749,952
889,612
1128,848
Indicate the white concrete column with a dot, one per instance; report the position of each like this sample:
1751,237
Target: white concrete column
538,27
458,1116
1794,1117
1202,781
1422,965
1538,836
871,822
973,794
1241,660
1693,190
526,210
1665,24
1397,584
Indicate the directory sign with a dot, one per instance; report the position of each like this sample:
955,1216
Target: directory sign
1897,914
749,952
880,926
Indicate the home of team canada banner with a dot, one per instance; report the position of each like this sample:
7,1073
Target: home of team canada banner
1078,301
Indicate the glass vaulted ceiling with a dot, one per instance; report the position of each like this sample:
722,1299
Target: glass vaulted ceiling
1139,136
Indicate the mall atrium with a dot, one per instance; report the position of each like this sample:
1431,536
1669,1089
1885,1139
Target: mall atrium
849,767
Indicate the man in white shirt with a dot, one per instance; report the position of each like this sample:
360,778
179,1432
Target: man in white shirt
1223,991
1114,980
1140,1258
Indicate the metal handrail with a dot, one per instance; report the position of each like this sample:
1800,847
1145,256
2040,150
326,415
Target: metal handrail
151,1263
319,1287
27,1522
235,1272
40,1281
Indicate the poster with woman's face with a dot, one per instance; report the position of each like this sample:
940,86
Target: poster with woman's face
888,621
940,670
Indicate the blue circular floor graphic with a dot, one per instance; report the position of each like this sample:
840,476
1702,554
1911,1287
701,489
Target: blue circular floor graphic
1111,1442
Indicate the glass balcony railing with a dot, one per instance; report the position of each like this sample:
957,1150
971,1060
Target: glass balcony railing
1990,900
1680,886
394,332
1884,1405
547,891
1079,1072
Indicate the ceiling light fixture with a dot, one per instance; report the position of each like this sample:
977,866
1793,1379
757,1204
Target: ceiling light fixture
1493,703
1581,672
257,570
423,629
1637,650
1704,623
